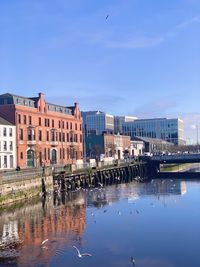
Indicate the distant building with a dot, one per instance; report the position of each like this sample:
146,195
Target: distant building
154,145
7,145
46,133
170,130
97,122
108,145
119,120
137,148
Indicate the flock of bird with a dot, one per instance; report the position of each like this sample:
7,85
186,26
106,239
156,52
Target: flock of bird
85,254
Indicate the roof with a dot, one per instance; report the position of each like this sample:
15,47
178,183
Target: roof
151,140
4,122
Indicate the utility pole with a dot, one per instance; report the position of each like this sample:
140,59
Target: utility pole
197,138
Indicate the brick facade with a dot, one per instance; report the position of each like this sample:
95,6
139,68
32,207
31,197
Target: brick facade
44,135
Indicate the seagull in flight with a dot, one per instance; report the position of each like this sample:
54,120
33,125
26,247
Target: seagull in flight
43,242
132,261
107,16
83,254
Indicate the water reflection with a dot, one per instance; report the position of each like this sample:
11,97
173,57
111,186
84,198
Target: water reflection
113,223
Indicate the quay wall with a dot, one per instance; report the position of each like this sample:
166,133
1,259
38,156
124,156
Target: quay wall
26,184
23,187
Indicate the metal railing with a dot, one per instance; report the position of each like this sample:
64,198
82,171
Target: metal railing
31,173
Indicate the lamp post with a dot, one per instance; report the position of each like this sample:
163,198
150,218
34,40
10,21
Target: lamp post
197,138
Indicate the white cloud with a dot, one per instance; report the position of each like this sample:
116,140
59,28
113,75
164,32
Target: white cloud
134,43
193,20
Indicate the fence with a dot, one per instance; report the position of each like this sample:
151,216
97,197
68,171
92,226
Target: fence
31,173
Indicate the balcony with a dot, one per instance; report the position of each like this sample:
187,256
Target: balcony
31,142
54,143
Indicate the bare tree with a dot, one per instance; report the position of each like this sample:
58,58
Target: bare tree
111,149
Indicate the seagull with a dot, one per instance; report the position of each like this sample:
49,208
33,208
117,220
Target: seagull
43,242
107,16
132,261
100,184
81,255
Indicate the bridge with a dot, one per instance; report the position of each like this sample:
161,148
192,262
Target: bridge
176,158
179,158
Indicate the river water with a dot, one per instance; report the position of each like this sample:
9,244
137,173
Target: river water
157,223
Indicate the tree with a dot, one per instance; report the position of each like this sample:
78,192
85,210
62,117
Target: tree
111,149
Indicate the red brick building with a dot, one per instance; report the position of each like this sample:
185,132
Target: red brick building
46,133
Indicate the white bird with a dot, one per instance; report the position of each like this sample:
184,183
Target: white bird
43,242
83,254
132,261
100,184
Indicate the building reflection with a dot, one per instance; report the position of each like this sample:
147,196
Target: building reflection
133,191
60,224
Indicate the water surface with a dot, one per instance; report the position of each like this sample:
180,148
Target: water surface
156,223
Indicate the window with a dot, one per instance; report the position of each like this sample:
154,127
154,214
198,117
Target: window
30,120
24,119
11,146
67,125
81,139
21,134
4,145
47,135
39,121
21,155
67,137
5,162
29,135
4,131
63,137
19,118
45,153
11,161
76,126
58,124
40,135
70,125
48,153
80,127
10,132
52,122
63,124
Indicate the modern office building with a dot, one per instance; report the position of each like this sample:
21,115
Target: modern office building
170,130
97,122
7,145
119,120
45,133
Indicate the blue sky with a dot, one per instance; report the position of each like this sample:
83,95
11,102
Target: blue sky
143,60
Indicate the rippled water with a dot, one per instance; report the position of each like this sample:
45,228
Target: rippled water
156,223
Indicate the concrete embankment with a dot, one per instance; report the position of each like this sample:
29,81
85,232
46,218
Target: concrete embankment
25,184
16,186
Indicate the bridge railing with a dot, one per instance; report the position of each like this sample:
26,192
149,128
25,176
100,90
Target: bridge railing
175,157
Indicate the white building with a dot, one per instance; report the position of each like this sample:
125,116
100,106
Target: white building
137,148
7,145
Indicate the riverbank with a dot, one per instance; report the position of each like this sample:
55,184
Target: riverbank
176,167
15,186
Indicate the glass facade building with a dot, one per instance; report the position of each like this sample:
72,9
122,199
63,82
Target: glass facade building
170,130
97,122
